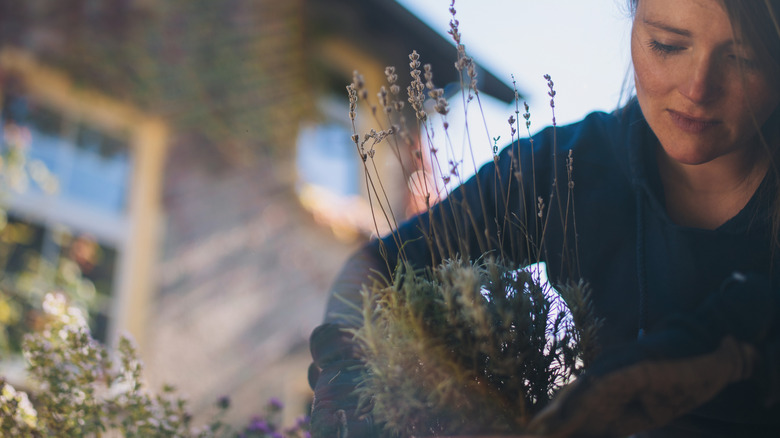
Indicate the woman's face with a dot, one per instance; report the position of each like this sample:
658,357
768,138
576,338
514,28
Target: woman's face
697,85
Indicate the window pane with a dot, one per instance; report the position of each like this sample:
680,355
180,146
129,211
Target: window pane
90,167
100,170
327,158
43,120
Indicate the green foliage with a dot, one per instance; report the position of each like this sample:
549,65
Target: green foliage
81,390
470,347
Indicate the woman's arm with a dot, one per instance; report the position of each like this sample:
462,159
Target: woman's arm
344,300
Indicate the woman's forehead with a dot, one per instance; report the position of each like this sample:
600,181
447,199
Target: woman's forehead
687,18
683,11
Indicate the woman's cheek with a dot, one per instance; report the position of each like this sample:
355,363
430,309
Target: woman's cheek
650,76
643,76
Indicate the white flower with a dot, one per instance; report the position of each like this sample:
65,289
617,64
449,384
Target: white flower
54,304
25,412
76,317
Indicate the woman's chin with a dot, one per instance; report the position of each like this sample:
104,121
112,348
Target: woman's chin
688,156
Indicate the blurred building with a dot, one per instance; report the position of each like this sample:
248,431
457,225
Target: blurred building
206,180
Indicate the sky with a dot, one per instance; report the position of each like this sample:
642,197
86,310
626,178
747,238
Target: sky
582,44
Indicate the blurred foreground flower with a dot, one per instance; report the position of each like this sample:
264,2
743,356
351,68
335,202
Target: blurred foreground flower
79,390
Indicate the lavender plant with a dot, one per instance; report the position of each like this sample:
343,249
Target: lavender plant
469,347
466,346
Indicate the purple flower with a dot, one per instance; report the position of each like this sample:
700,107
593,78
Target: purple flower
258,425
302,421
275,404
277,435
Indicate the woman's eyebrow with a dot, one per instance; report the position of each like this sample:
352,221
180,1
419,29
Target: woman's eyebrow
666,27
682,32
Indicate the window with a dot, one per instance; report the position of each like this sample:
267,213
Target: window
327,158
69,209
85,205
330,173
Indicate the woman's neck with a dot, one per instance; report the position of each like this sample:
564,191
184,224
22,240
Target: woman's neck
707,195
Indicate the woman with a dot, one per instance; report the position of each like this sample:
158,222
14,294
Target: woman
677,217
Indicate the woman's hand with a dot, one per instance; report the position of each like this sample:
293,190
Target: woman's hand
644,395
671,371
333,376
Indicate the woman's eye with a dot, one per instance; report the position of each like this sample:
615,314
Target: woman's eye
664,49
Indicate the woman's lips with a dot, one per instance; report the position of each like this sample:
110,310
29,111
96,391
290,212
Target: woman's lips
694,125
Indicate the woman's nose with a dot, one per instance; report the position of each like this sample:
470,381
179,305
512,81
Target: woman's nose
701,83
